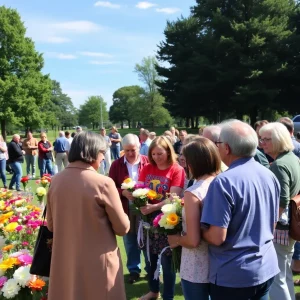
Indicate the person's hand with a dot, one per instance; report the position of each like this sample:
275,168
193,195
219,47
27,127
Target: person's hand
127,195
148,209
173,240
23,151
50,149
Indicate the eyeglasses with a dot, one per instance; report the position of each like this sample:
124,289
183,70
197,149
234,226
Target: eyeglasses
217,143
265,140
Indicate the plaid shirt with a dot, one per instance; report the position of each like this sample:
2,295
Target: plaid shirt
281,237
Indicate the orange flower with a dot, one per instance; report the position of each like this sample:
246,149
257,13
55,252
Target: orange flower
152,195
7,248
172,219
37,285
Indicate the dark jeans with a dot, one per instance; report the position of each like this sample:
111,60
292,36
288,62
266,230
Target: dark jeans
45,166
17,174
3,170
169,276
192,290
257,292
296,255
115,152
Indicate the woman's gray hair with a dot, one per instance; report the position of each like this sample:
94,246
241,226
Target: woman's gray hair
241,138
281,138
86,146
130,139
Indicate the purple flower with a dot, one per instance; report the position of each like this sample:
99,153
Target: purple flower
3,279
25,259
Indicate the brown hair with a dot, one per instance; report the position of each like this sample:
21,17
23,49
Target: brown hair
163,142
260,123
202,157
288,123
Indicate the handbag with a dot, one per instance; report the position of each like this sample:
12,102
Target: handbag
294,208
42,251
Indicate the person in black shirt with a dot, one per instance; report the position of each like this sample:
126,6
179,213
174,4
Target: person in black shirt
16,157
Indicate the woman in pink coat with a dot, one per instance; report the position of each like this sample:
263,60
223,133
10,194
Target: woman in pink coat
84,211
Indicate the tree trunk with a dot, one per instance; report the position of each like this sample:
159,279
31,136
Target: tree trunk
3,129
253,115
187,124
197,122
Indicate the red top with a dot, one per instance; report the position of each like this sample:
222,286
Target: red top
43,149
162,180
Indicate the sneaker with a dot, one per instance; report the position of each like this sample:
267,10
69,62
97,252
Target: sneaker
33,176
133,277
29,176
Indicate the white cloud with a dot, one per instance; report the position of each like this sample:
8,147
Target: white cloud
145,5
95,54
76,26
168,10
103,63
56,40
107,4
60,55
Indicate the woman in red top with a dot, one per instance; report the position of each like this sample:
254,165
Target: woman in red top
162,175
45,155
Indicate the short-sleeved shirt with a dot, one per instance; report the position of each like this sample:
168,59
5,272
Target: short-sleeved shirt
116,136
245,201
160,181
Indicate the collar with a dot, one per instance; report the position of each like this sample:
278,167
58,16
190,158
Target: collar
240,161
136,163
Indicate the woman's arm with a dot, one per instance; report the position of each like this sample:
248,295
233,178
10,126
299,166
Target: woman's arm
191,239
3,147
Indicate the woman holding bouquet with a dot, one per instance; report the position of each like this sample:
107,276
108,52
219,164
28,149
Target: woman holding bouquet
204,163
163,175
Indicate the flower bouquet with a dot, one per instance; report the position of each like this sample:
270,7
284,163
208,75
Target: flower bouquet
128,184
24,181
40,193
170,222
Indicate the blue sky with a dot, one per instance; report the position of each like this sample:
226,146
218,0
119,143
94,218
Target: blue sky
91,47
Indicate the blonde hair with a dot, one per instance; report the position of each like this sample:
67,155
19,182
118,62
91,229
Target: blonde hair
1,138
163,142
281,138
114,128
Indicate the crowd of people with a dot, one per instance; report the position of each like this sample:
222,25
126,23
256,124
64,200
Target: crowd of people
236,181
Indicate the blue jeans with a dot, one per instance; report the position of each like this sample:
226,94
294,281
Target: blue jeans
17,174
258,292
133,253
115,152
169,276
30,162
192,291
45,166
3,170
296,255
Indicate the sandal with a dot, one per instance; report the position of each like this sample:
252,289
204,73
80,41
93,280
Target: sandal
297,282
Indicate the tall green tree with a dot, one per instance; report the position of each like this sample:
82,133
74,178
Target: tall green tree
124,107
154,111
23,88
93,112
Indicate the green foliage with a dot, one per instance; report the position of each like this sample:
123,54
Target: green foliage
23,88
90,112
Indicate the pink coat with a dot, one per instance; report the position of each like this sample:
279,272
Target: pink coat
85,213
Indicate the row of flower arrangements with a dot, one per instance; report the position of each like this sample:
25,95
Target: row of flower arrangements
19,224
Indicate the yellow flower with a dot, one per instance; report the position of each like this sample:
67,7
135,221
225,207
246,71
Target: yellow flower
172,219
5,217
11,226
40,191
152,195
127,180
19,202
8,263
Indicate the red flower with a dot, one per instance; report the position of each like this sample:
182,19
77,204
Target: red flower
182,202
24,179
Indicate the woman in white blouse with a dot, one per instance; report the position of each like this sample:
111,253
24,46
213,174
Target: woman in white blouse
3,158
204,163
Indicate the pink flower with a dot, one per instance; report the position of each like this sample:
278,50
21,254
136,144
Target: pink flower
14,219
19,228
157,219
3,279
25,244
38,181
25,259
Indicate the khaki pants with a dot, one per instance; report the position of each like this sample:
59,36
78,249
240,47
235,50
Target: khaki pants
61,159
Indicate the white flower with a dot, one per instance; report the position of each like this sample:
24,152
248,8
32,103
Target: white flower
128,185
22,276
19,202
20,209
168,208
140,192
163,222
10,288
